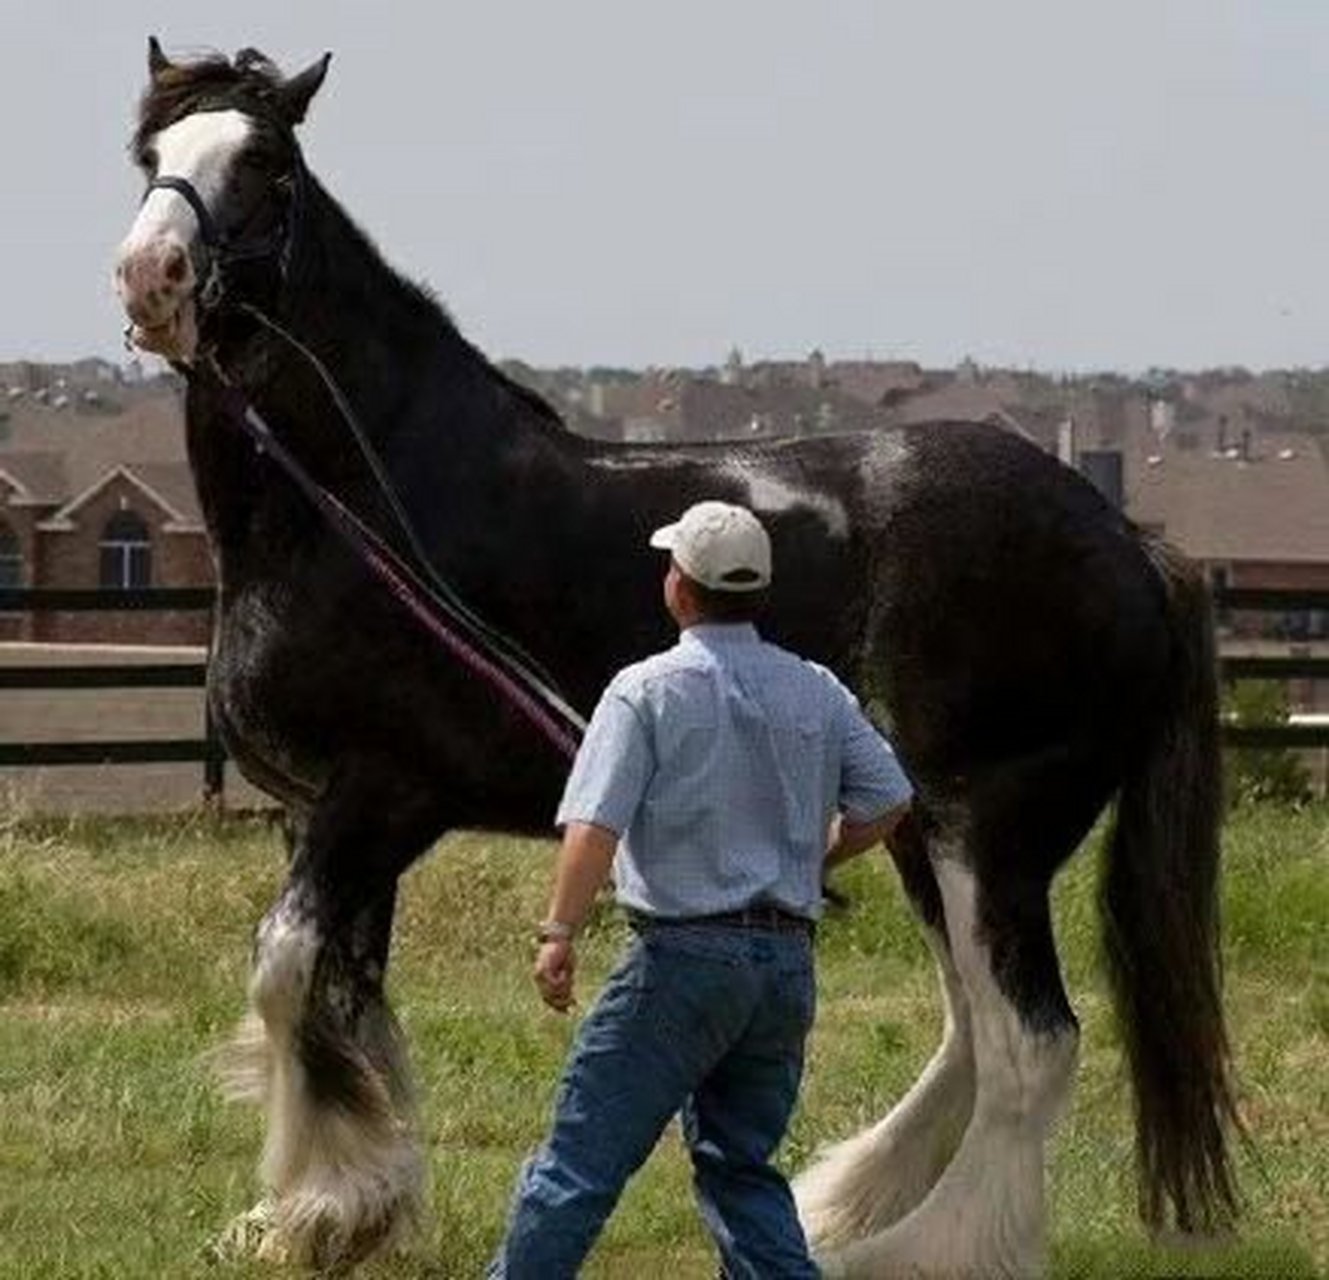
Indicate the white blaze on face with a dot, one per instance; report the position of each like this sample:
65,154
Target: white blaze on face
154,271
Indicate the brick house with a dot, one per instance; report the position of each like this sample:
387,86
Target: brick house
96,492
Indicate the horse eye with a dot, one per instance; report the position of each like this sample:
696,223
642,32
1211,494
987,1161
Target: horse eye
148,160
258,161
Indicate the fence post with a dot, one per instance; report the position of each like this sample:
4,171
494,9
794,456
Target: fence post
214,760
214,753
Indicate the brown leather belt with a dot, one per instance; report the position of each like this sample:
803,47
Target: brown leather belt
765,916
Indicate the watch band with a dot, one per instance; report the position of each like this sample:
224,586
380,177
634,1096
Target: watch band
554,931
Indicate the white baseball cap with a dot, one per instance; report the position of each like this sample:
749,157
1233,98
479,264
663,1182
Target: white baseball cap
719,545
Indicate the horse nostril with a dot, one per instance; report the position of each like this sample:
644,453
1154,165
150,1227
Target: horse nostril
177,265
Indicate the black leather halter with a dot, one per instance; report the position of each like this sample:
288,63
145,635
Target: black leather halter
220,251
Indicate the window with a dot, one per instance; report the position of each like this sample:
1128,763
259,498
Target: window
11,557
126,553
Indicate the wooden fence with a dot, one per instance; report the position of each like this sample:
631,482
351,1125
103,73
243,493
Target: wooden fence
209,752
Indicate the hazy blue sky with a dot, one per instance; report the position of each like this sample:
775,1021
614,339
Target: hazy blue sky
1031,182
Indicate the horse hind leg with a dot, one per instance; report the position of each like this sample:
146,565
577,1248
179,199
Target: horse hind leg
864,1184
986,1214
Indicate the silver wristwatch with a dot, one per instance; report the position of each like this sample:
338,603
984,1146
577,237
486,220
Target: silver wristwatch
554,931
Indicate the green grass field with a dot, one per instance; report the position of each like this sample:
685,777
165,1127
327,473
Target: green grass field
123,953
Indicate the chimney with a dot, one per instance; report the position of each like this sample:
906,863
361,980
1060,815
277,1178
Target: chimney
1066,441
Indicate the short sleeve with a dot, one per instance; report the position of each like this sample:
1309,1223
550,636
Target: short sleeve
612,769
872,780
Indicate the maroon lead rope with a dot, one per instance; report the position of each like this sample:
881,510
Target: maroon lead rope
560,728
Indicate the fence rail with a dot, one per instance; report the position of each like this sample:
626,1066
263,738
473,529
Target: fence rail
97,600
209,751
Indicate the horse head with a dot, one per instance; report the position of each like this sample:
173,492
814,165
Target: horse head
216,142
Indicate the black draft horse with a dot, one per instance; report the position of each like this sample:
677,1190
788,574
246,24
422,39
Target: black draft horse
1034,654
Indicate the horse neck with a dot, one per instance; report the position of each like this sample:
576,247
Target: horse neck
438,413
395,355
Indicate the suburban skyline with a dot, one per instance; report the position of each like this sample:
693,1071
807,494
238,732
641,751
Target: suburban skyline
1031,185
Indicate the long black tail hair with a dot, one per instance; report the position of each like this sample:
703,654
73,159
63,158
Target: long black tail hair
1160,906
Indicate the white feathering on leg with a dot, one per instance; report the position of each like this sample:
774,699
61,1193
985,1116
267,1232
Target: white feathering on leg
873,1179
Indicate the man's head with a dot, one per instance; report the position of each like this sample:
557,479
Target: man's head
720,564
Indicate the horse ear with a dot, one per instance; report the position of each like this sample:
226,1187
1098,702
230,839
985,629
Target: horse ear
157,60
297,92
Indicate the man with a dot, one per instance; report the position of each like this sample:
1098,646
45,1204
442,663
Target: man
708,778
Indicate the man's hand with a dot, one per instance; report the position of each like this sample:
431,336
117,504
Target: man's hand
554,966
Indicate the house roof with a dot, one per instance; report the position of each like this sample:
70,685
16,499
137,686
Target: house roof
38,479
970,402
715,410
872,380
63,457
1270,506
177,521
173,483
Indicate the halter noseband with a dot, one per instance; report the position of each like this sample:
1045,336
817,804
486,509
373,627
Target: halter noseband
221,251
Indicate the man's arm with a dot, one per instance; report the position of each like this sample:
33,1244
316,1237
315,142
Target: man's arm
608,779
584,860
871,782
849,839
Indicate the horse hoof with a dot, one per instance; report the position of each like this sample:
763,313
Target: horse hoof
328,1247
244,1236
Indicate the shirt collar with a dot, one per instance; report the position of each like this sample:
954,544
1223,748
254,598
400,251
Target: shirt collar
719,635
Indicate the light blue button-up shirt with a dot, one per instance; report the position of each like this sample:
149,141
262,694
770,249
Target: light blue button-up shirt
720,763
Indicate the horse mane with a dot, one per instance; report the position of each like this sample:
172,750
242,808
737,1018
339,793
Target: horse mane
251,81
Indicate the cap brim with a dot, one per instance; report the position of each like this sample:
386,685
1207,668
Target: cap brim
664,538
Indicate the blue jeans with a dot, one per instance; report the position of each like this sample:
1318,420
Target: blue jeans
703,1019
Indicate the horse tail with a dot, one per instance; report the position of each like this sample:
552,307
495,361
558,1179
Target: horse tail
1159,902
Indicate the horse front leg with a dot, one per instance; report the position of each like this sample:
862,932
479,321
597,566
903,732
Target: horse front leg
320,1051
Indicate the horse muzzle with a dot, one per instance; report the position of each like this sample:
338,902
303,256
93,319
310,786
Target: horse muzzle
156,281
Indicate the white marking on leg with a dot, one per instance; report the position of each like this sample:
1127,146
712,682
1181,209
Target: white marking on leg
342,1180
345,1183
986,1215
287,948
767,494
864,1184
